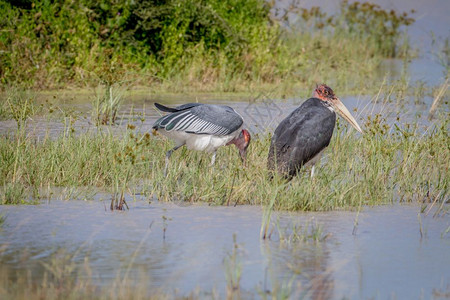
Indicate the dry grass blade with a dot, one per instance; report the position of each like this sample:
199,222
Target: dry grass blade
436,100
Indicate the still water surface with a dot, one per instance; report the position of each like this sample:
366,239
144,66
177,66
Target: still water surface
386,257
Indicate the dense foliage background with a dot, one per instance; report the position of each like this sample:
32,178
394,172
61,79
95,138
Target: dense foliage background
208,44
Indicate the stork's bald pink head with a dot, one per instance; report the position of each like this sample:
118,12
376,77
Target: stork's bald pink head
326,94
242,141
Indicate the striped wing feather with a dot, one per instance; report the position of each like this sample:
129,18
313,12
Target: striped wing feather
202,119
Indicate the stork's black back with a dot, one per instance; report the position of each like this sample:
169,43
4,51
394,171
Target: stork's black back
301,136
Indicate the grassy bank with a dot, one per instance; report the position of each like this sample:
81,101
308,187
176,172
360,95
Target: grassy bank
383,166
196,46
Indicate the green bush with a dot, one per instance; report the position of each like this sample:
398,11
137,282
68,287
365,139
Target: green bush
207,44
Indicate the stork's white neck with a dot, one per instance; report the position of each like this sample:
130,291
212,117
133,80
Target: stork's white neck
328,105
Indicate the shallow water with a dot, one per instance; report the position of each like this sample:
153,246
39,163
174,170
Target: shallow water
387,257
260,116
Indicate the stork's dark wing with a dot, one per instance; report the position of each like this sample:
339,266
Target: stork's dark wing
178,108
301,136
202,119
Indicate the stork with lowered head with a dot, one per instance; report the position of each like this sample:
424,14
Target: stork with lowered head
203,127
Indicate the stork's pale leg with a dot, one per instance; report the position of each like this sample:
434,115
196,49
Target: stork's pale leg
213,159
312,162
168,154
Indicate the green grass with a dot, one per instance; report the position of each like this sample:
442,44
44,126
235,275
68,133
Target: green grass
2,221
385,165
13,193
311,232
19,104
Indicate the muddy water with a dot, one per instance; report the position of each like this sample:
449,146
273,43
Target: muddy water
386,257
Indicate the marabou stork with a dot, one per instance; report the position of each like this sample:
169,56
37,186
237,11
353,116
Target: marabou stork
203,127
302,136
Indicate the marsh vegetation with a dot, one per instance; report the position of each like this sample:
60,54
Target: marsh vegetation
397,162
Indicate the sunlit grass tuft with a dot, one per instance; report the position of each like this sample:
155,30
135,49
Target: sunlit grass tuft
106,105
13,193
310,232
19,105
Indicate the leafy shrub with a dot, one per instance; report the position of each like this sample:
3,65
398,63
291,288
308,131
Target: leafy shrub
49,44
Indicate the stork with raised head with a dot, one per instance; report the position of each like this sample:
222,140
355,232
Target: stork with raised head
300,139
204,127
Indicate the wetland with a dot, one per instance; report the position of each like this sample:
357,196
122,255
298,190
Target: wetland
85,211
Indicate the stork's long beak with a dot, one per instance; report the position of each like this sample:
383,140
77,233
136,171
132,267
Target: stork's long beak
343,111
